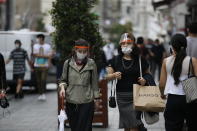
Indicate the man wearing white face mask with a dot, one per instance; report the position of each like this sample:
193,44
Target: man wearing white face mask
19,55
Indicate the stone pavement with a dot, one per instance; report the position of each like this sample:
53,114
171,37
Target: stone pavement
29,114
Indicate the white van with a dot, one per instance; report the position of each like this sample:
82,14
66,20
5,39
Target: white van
27,38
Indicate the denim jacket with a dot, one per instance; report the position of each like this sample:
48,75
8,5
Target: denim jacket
82,86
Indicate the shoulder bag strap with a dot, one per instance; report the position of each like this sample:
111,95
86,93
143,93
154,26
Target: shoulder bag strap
113,87
67,73
191,68
140,64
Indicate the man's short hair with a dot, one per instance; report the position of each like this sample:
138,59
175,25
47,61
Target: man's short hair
18,42
140,40
41,36
193,28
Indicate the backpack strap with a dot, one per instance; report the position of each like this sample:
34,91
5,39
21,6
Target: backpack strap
90,77
67,73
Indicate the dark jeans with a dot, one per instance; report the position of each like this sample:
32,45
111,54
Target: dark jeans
177,111
80,116
41,76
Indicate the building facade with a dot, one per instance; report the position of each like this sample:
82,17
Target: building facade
180,13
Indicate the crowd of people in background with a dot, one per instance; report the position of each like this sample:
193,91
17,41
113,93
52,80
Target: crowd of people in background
79,77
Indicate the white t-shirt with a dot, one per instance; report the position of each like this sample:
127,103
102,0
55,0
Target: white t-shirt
44,49
109,51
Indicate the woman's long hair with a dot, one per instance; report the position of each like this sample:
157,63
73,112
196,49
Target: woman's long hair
179,44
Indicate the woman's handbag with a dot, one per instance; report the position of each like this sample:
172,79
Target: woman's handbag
112,98
147,98
151,117
190,85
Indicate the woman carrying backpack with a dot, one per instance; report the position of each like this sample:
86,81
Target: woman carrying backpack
79,86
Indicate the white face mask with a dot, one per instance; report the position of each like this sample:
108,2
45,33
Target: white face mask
17,46
81,56
127,50
37,40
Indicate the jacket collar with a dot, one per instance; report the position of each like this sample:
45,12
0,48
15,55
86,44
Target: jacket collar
88,65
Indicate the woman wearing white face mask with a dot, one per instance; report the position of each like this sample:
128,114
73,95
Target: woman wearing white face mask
125,68
79,86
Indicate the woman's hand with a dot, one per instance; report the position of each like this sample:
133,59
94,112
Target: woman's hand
117,75
142,81
163,97
62,92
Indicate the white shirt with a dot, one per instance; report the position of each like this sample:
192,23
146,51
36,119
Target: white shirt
170,87
44,49
109,51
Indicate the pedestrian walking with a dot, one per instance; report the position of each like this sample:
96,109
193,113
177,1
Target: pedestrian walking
3,83
125,67
19,55
159,54
192,40
192,52
79,85
42,53
144,51
174,70
109,50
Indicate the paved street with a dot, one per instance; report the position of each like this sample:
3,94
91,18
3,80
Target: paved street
29,114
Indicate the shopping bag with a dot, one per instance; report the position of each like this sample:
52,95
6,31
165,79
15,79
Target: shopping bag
151,117
62,116
112,98
147,98
190,85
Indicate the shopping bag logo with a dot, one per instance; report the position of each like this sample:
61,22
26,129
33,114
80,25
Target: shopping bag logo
147,98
